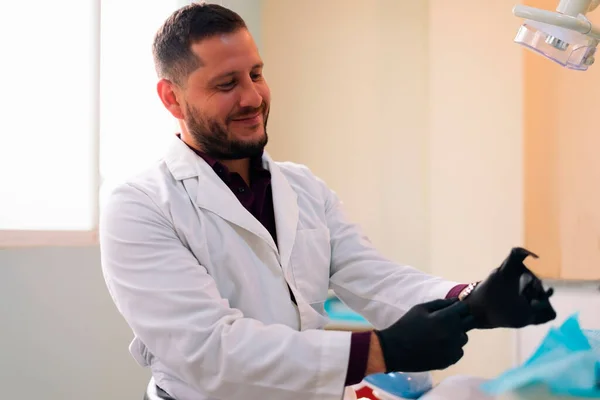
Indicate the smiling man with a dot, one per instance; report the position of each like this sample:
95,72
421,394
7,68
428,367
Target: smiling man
221,259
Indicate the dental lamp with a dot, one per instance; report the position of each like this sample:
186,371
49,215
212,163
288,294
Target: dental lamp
565,36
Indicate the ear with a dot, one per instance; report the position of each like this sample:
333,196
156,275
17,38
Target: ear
168,93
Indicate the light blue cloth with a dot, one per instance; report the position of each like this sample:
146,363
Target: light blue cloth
401,385
567,361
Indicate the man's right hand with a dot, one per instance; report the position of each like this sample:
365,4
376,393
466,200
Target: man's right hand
430,336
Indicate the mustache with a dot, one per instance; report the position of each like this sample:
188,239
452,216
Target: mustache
247,112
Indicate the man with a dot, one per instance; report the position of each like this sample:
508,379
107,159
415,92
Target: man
221,259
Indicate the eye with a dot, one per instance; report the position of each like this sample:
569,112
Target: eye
226,86
256,76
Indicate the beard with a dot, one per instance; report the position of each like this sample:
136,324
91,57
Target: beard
214,138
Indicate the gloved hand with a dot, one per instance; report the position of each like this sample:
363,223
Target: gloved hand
429,336
511,296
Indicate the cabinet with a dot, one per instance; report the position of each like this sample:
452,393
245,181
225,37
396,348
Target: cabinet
562,166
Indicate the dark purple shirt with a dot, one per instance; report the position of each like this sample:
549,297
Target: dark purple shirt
258,200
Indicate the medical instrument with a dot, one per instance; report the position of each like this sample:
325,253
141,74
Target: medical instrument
566,36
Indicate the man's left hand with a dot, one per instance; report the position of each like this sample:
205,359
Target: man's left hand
511,296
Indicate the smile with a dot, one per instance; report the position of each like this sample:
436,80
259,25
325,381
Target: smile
252,119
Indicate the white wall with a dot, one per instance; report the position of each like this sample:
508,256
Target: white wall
61,337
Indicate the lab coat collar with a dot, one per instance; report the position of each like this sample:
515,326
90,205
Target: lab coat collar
212,194
181,161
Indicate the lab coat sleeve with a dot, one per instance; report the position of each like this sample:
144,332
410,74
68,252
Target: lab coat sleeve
173,306
373,286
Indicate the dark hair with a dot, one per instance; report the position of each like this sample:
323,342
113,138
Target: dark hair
173,57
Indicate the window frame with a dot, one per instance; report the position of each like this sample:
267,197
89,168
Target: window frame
23,239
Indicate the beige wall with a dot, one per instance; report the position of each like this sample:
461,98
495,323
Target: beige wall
412,112
475,154
350,92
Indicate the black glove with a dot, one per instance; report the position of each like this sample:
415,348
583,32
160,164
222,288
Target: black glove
511,297
429,336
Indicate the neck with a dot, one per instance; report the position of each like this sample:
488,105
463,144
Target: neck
242,167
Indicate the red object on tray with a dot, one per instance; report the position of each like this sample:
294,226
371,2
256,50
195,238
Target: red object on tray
365,392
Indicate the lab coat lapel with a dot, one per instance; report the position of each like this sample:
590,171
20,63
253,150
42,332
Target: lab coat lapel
285,204
214,195
210,192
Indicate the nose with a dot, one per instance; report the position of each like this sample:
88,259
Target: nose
250,96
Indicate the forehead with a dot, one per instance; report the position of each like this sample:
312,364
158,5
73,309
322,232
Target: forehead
226,53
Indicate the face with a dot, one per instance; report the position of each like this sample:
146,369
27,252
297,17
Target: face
225,104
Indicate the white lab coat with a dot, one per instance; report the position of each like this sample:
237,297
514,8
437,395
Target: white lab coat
204,287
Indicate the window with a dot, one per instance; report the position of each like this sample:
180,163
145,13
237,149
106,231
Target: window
48,131
79,103
135,126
